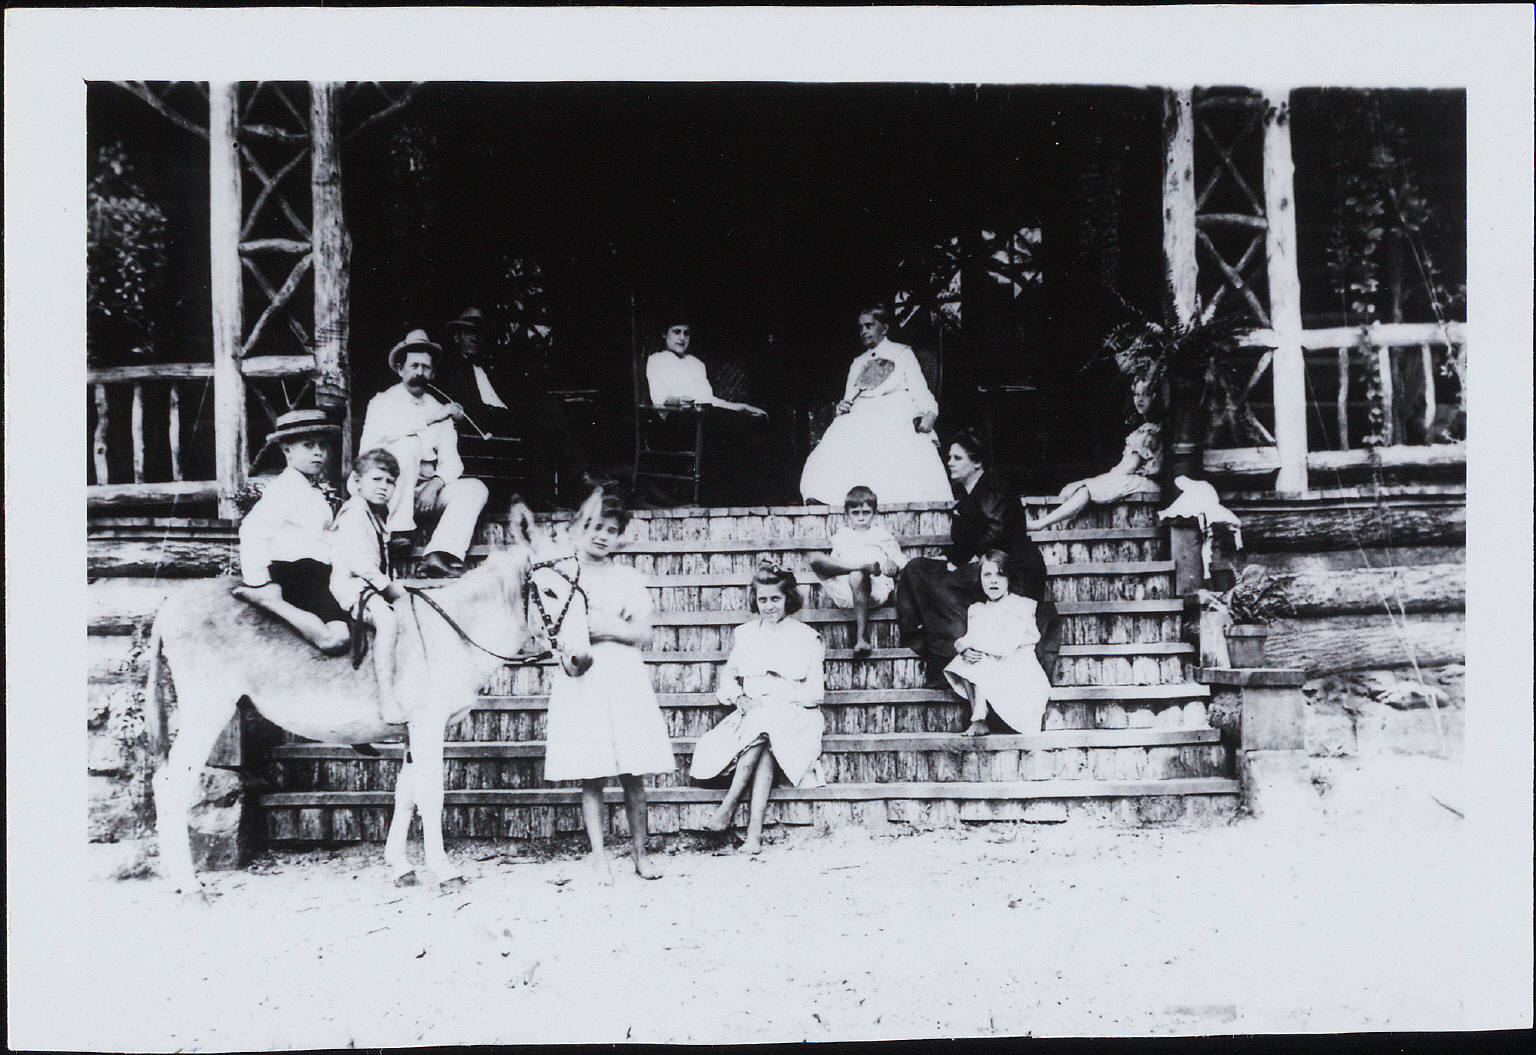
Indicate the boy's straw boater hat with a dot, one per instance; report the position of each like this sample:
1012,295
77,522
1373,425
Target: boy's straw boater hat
472,319
297,423
415,341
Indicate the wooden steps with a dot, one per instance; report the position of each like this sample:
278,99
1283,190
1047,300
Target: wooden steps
1126,738
550,813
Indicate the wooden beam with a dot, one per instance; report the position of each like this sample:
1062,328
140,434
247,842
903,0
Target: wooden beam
112,495
1422,588
1255,460
273,294
333,260
274,245
1367,642
1389,333
143,92
255,366
1179,200
224,274
1290,379
1341,406
1388,396
279,302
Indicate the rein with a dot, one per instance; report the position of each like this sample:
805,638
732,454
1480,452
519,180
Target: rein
551,626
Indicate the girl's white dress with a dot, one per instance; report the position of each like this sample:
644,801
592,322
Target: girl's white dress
1147,444
779,665
1009,678
607,721
876,543
874,444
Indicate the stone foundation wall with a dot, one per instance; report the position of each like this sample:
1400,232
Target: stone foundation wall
1363,712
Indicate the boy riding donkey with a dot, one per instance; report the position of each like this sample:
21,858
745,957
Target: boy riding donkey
301,566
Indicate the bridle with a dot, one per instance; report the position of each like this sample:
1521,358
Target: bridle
552,627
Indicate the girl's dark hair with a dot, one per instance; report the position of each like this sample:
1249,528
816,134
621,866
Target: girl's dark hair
613,508
784,579
859,495
998,558
968,441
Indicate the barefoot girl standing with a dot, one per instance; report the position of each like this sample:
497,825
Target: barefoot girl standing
607,722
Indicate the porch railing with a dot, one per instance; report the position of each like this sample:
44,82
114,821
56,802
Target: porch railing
187,460
1350,427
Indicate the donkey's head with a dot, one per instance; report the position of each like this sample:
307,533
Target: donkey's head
554,603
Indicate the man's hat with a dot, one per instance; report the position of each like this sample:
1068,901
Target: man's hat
296,423
472,319
415,341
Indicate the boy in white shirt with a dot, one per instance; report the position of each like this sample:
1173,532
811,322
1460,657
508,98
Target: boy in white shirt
285,548
863,564
360,565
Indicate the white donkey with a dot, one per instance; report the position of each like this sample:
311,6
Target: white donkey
221,649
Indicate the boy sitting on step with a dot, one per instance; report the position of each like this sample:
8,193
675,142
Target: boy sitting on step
285,549
361,569
862,566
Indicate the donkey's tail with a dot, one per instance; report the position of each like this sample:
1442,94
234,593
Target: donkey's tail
154,710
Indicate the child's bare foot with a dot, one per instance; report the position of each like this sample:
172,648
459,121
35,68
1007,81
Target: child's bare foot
598,860
862,648
976,728
752,846
645,869
718,822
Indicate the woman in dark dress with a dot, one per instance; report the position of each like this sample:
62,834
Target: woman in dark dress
933,594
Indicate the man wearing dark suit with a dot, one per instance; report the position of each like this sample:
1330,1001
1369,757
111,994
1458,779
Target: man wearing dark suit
500,399
933,594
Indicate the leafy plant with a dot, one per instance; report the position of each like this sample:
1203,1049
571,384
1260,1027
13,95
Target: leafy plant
125,258
1257,597
1190,362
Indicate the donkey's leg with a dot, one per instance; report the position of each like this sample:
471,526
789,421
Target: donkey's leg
203,717
395,857
427,747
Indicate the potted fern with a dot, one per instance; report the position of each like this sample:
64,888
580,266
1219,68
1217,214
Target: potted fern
1255,600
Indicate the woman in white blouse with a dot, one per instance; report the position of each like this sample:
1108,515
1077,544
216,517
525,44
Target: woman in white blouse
882,437
773,679
677,379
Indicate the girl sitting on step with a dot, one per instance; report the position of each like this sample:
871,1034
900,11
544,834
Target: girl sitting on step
995,666
773,679
607,722
1136,471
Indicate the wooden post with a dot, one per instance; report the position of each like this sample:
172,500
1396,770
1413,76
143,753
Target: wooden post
1289,367
1179,232
1341,407
332,260
99,440
1388,397
173,430
224,205
1427,362
136,428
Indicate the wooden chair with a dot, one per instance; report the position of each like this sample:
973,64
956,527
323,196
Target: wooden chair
655,458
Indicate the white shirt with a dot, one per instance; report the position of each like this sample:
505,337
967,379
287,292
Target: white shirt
397,421
905,381
780,661
488,394
287,523
675,377
358,553
875,543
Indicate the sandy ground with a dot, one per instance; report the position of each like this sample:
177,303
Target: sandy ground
1256,926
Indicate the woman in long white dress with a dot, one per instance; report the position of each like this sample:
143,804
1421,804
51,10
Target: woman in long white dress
995,667
774,681
607,722
882,437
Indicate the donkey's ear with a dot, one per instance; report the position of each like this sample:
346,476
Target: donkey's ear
520,521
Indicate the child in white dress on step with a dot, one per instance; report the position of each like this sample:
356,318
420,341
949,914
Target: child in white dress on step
774,680
607,722
861,569
995,666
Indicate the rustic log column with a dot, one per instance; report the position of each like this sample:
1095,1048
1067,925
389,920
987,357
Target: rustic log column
1179,234
224,205
332,260
1289,367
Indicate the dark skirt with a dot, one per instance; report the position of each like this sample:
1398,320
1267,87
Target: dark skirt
932,603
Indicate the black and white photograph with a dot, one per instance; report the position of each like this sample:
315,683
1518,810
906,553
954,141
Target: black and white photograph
739,525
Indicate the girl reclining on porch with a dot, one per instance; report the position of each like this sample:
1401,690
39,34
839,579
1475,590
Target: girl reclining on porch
1136,471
